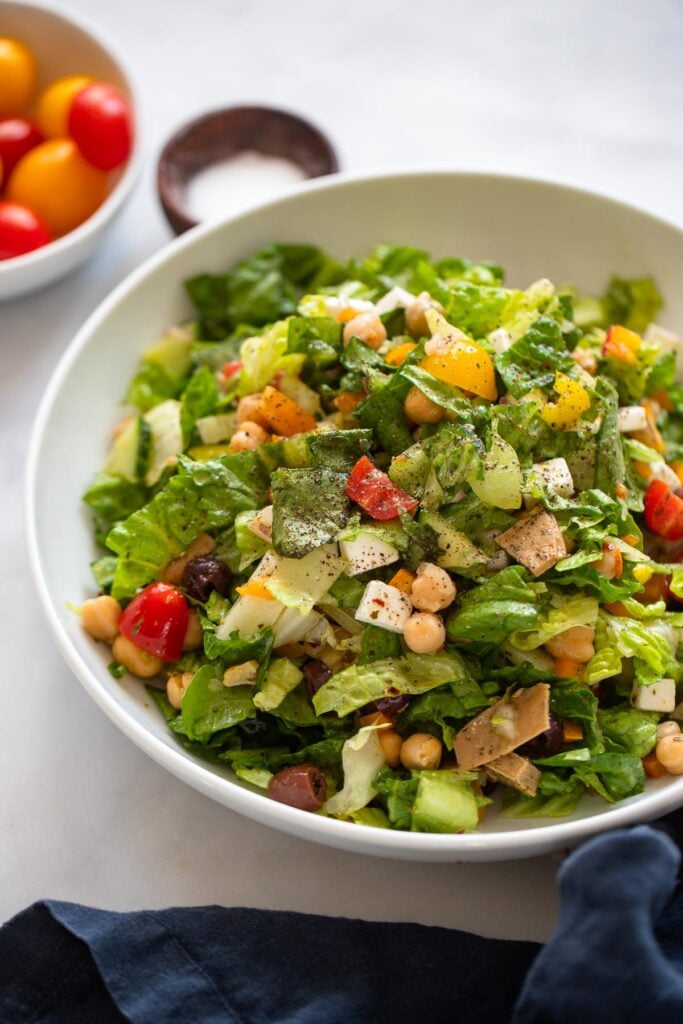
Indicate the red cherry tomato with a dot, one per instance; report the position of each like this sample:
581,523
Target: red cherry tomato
20,230
156,621
664,511
232,368
372,489
17,136
100,124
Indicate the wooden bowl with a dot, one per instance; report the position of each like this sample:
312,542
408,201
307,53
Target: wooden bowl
225,133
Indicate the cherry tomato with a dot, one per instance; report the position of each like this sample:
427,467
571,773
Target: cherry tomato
2,172
372,489
664,511
156,621
101,125
55,181
54,105
17,136
20,230
18,75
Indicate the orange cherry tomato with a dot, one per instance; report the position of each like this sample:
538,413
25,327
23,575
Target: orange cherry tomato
58,184
18,76
54,105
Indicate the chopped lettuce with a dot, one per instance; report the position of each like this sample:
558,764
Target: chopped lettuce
361,684
281,678
362,758
202,496
310,507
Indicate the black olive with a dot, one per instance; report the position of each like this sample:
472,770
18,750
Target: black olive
546,743
392,707
316,674
204,574
302,786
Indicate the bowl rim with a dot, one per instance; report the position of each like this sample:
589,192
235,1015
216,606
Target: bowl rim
112,203
251,803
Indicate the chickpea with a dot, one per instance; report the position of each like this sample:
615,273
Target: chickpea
248,437
368,328
391,744
668,728
100,617
433,589
416,321
421,750
670,754
576,643
194,635
249,410
424,633
421,409
176,685
137,661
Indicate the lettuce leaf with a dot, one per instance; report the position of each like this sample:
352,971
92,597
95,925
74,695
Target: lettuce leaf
208,707
310,507
564,613
361,684
628,730
492,611
362,758
282,676
260,289
202,496
112,499
532,360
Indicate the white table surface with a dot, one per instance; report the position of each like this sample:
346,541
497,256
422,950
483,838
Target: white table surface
586,92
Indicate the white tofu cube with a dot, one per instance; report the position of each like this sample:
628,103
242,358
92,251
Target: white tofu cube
631,417
500,340
396,298
659,696
367,552
384,606
556,474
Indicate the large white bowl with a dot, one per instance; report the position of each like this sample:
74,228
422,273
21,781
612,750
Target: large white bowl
65,45
533,228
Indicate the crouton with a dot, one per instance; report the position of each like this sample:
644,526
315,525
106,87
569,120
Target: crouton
504,726
516,771
535,541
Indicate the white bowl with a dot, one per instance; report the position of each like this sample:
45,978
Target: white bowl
533,228
67,46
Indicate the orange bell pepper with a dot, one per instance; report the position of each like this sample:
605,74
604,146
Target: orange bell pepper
254,588
464,365
403,580
283,415
622,344
346,401
568,668
571,732
396,356
650,435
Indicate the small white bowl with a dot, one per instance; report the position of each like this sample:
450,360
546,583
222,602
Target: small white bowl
534,229
67,46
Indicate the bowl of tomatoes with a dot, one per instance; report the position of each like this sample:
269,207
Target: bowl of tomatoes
68,150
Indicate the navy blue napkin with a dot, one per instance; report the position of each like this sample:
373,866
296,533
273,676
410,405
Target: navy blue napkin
617,953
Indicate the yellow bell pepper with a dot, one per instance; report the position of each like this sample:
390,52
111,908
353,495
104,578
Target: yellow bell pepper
572,402
395,356
464,365
254,588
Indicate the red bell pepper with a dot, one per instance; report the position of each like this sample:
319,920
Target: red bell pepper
232,368
664,511
156,621
376,494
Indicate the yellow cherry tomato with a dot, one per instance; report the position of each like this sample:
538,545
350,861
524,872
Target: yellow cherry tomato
60,186
18,75
54,104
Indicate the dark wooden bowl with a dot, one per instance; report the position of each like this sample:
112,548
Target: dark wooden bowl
224,133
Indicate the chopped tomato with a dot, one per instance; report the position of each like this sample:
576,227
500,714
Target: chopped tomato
156,621
376,494
664,511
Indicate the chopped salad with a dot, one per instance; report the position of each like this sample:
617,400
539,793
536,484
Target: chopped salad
396,542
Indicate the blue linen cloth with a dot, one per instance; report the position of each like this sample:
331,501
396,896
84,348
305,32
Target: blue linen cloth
617,953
